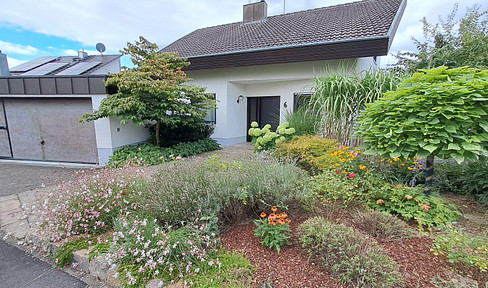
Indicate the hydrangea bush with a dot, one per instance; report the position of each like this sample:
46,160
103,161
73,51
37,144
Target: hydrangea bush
265,139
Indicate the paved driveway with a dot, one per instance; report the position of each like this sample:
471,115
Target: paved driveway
16,178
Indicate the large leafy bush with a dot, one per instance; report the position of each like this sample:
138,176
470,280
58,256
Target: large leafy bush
441,112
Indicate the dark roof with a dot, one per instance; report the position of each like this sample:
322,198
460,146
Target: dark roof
98,61
367,20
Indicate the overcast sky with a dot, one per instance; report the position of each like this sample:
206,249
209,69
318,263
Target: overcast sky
34,28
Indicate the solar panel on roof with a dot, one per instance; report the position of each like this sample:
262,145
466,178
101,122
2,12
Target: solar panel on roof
32,64
79,68
45,69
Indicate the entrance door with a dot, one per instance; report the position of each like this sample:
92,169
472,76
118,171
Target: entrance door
264,110
5,151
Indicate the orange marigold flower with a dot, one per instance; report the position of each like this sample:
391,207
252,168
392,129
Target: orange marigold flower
272,222
281,221
274,208
262,215
284,215
272,216
380,202
287,220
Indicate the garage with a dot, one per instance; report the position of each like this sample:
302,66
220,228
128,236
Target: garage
47,129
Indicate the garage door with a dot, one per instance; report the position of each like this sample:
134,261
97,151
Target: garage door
48,129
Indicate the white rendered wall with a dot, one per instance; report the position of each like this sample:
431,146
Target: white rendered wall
112,135
260,81
111,67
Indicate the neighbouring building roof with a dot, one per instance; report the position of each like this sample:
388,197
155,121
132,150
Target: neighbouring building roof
63,65
325,33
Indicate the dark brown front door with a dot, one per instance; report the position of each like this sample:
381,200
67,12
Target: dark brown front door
264,110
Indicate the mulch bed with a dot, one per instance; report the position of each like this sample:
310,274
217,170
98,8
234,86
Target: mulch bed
291,268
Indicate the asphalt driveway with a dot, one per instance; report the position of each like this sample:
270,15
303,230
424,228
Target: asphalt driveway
17,178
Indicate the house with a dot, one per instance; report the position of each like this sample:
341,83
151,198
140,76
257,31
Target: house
42,102
258,68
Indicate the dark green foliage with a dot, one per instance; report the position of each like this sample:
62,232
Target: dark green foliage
185,132
347,254
467,179
152,155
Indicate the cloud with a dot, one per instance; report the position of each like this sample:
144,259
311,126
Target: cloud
13,48
12,62
115,23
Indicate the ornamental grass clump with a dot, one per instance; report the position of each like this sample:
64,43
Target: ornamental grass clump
381,225
350,256
88,204
274,229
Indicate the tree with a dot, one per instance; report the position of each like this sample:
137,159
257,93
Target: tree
450,43
154,90
439,112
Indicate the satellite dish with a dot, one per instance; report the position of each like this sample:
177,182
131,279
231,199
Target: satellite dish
100,47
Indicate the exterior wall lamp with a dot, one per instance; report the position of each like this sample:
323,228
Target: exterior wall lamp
240,98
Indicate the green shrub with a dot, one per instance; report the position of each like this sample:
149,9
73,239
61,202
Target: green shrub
349,255
349,188
381,225
412,204
304,122
312,152
234,271
188,189
265,139
147,154
184,132
466,179
461,247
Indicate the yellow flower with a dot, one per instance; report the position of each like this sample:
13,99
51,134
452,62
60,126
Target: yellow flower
362,167
410,168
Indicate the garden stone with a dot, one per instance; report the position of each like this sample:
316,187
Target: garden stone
80,260
98,268
155,283
111,279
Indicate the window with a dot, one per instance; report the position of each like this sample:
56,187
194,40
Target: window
211,117
300,100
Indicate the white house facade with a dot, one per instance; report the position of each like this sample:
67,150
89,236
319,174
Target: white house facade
257,67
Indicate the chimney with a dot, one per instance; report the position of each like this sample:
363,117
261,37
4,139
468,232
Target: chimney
4,71
82,54
255,11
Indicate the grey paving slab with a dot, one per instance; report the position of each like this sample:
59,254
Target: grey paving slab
15,178
19,270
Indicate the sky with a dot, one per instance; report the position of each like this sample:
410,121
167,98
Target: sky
33,28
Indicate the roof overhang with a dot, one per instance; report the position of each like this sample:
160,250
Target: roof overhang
368,47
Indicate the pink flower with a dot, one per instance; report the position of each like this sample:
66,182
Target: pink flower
425,206
352,175
178,158
380,201
338,171
408,197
